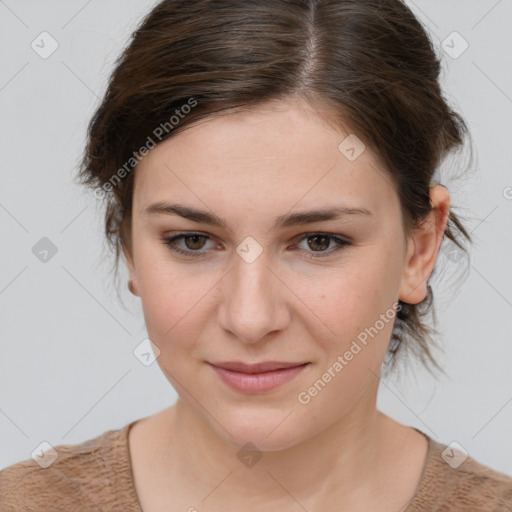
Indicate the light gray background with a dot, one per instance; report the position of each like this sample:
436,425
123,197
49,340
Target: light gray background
67,368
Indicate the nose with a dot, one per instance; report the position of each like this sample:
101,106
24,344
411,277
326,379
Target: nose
254,300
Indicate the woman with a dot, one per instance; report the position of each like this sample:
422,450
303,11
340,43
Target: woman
268,170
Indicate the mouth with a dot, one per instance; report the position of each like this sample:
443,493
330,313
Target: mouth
259,377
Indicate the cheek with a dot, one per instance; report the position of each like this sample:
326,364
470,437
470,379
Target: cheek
171,306
356,306
175,301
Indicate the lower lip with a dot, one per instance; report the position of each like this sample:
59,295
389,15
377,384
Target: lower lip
258,382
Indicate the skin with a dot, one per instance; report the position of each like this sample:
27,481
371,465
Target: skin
249,168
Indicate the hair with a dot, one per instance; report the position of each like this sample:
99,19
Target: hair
370,62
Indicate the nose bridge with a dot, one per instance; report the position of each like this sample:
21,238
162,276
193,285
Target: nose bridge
252,303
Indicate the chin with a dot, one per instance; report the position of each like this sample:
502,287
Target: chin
265,429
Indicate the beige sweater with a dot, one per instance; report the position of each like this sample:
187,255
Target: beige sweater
96,476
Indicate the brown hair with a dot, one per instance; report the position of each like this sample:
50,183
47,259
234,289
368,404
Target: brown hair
370,61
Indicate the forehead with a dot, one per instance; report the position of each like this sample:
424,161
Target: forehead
272,157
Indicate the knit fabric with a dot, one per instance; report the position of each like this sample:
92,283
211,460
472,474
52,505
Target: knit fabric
96,476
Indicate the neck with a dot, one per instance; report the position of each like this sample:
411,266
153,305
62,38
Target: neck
346,459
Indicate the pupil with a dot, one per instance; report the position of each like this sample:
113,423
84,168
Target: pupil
195,238
321,237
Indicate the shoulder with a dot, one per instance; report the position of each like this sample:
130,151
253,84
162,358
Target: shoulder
454,481
485,488
68,476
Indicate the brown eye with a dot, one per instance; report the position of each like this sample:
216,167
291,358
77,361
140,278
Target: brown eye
195,243
319,242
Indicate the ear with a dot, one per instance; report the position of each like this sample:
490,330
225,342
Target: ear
423,247
132,283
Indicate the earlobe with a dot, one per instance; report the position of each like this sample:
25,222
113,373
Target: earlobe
411,289
131,287
424,247
132,281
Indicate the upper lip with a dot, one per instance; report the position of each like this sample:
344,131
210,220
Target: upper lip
265,366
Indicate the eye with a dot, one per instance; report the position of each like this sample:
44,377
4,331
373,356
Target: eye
321,241
195,242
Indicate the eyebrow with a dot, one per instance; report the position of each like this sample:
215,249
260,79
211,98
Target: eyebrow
291,219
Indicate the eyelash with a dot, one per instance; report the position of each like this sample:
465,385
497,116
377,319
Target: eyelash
170,242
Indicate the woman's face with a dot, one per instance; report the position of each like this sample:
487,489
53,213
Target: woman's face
260,288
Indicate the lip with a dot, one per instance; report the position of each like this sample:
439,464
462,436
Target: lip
257,378
264,366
